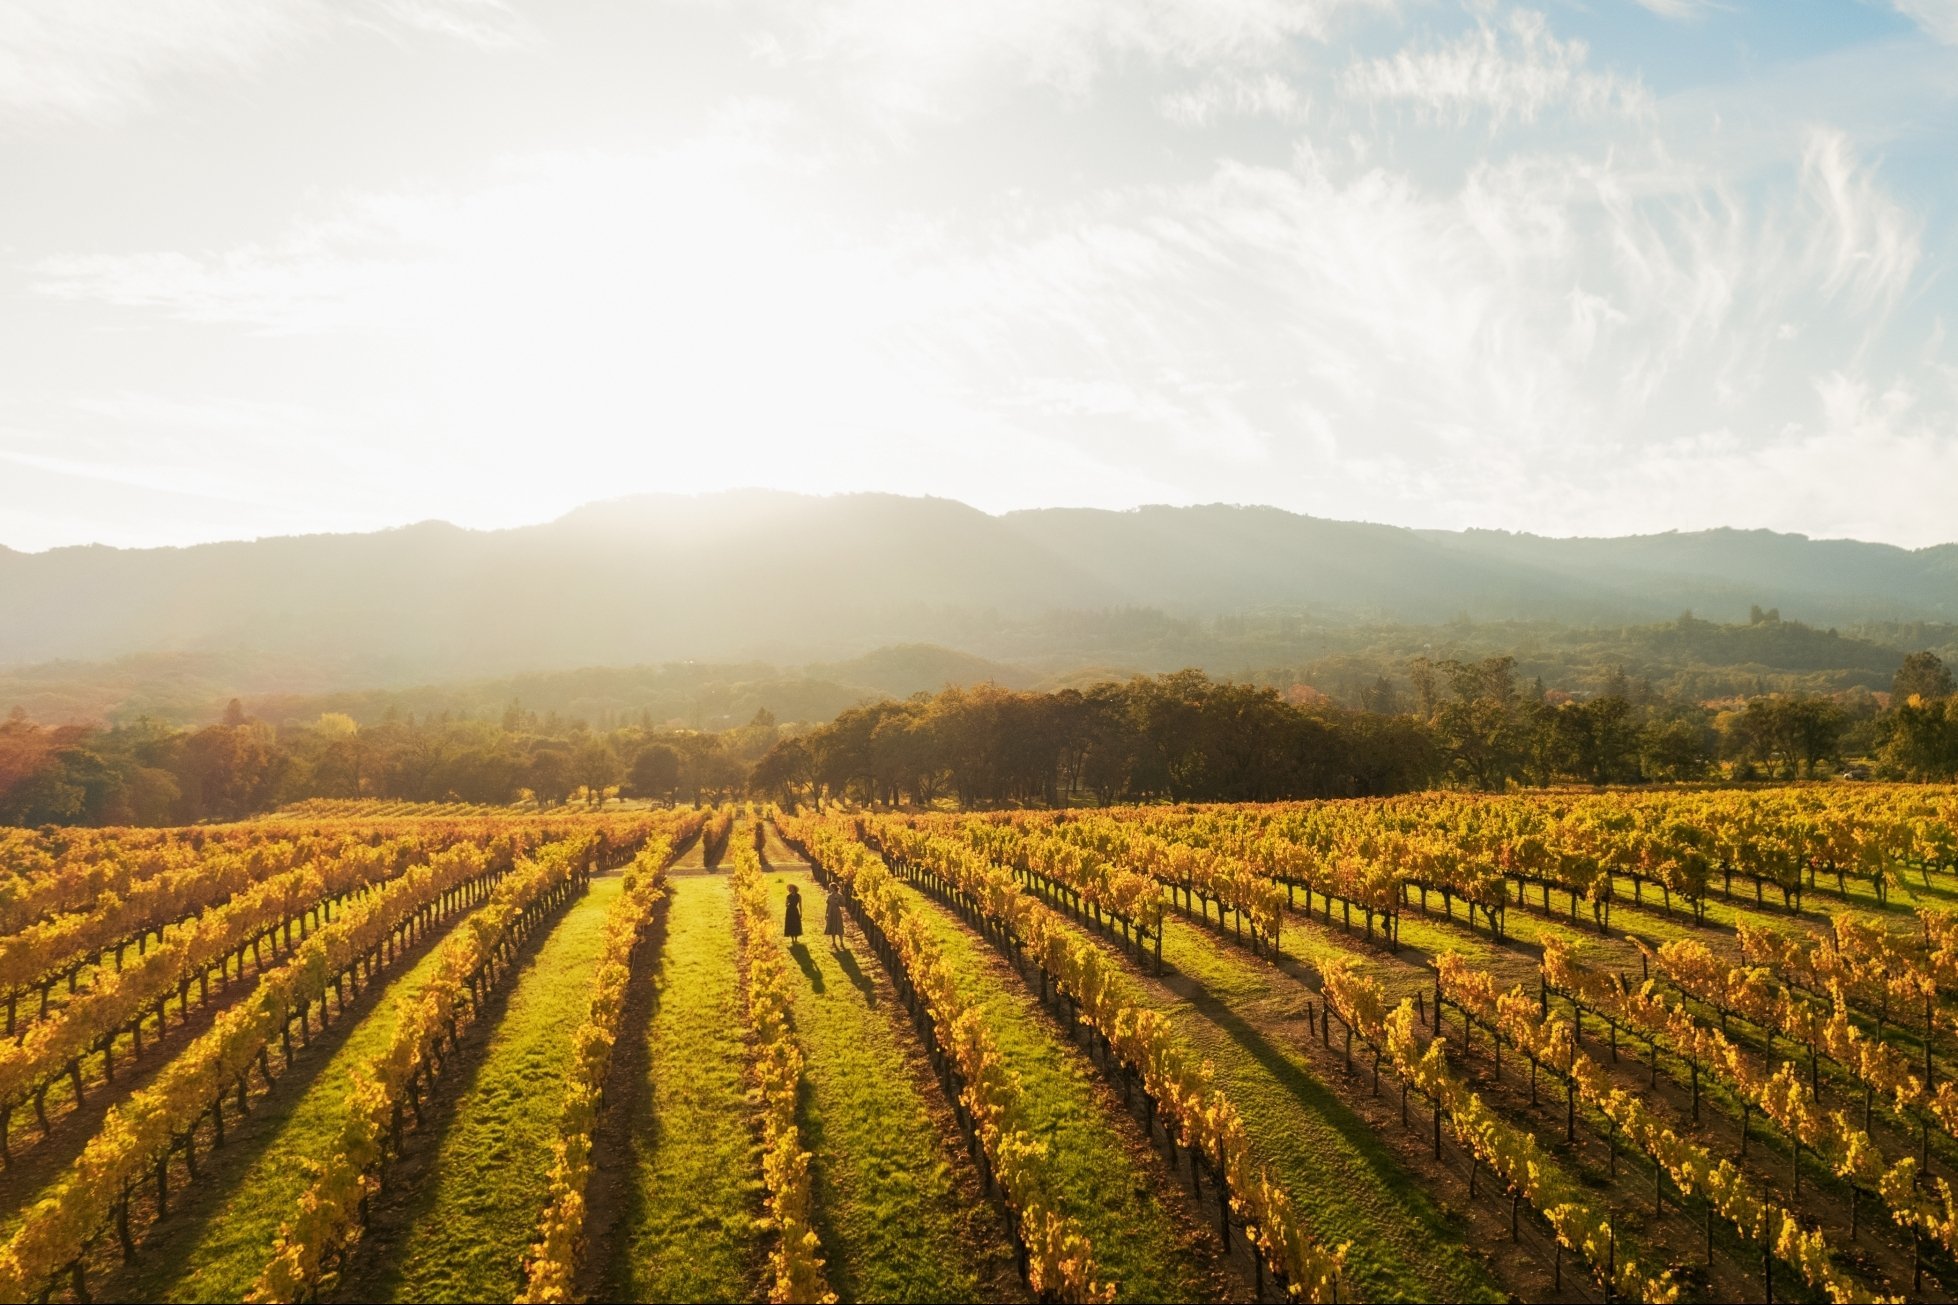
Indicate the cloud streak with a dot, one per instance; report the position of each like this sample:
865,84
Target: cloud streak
98,60
1513,70
1258,95
1937,17
944,58
1461,345
1679,10
1440,267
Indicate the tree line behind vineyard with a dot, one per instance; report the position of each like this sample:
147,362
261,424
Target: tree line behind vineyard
1178,737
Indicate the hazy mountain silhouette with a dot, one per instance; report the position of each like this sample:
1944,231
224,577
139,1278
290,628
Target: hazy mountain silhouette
791,580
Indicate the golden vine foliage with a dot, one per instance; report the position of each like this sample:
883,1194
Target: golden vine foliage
1026,841
797,1257
1060,1260
551,1268
1781,1095
120,997
145,1127
328,1218
1510,1153
1195,1110
1517,1018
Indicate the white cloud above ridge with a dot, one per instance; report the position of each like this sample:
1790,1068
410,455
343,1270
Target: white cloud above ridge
1547,311
1939,18
1612,328
1256,95
1679,9
935,58
1875,240
1514,70
97,60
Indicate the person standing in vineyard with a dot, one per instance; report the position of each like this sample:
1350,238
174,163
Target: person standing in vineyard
833,917
792,921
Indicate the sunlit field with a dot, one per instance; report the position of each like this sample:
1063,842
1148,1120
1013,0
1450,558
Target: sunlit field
1654,1046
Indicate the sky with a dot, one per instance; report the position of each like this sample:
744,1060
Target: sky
1581,267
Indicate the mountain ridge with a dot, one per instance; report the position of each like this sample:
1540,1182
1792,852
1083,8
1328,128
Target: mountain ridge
798,579
598,507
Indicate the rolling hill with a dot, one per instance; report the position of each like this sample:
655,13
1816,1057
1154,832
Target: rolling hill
792,580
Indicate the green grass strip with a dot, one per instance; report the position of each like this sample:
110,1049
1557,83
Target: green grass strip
1344,1177
1137,1242
896,1225
687,1226
472,1218
232,1243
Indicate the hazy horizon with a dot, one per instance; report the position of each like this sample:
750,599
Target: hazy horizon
739,491
1560,268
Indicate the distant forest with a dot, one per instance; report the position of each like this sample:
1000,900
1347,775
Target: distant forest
1182,736
1688,659
680,647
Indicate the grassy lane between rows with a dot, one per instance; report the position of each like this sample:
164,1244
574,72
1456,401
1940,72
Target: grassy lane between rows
1238,1012
692,1183
1120,1193
1513,958
41,1162
472,1216
898,1204
1213,966
1516,962
215,1245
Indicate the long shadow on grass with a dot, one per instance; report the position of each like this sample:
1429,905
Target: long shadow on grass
1301,1085
629,1128
1396,1183
374,1273
809,1120
39,1158
1307,1090
192,1207
854,972
823,1196
807,964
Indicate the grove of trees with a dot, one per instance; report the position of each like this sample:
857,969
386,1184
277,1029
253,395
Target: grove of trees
1179,737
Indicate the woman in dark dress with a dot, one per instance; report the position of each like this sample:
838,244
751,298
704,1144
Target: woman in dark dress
792,923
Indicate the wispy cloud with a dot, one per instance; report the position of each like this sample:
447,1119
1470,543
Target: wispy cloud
1680,9
196,461
1460,344
1870,248
1938,17
1240,95
489,23
1327,254
100,59
1510,70
934,58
